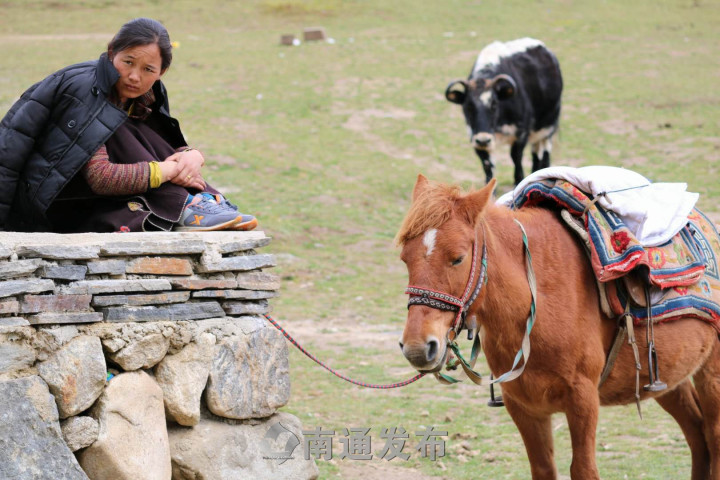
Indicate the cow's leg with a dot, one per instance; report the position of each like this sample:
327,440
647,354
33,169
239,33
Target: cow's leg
537,153
547,148
541,153
581,411
487,164
682,403
536,433
516,152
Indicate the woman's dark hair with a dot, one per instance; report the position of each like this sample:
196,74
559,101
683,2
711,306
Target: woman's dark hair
143,31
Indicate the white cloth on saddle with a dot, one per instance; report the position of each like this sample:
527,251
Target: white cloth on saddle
655,212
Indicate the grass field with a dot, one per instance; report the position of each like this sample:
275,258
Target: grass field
323,142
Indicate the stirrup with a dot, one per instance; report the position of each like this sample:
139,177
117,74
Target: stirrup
494,401
655,385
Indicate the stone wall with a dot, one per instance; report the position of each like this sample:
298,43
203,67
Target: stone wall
143,356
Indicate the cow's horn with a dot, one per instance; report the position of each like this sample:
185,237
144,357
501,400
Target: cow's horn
501,76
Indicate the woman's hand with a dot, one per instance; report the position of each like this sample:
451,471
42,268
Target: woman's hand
168,170
189,163
184,170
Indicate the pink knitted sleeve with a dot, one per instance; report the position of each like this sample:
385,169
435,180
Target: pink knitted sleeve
107,178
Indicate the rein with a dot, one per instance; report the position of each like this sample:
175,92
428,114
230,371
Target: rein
445,301
334,372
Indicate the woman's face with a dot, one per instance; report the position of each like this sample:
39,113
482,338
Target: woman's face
139,68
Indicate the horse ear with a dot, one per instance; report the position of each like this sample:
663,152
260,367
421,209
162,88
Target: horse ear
420,185
475,202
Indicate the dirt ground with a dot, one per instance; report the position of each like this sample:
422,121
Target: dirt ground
379,471
383,337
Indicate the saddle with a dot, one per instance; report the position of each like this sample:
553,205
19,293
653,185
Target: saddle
678,279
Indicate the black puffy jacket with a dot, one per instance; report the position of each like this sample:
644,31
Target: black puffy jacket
53,130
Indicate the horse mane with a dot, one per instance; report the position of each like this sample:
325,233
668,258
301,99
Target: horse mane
432,207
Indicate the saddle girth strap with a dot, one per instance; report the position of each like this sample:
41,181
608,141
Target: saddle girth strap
614,350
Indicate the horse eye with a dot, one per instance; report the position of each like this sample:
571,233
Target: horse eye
458,260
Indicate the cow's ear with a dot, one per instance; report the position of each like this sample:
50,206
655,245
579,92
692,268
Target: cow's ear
456,91
504,88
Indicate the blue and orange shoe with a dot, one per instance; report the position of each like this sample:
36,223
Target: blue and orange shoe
204,215
247,222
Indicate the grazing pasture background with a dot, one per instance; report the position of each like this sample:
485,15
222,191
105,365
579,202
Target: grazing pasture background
323,142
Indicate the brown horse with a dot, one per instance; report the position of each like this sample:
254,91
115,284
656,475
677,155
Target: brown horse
571,336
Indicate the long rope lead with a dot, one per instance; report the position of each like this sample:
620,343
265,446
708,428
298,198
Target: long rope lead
336,373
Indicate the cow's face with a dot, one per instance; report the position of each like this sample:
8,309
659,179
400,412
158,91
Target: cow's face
481,99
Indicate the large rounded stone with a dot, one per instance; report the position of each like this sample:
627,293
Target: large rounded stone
249,377
31,445
76,374
132,442
182,378
267,450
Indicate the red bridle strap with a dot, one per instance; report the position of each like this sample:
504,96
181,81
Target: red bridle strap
445,301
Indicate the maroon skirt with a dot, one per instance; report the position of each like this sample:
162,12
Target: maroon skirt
77,209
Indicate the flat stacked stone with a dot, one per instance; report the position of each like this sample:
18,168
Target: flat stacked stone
92,277
176,319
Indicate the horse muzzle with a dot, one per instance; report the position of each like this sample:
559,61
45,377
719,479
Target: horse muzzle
426,357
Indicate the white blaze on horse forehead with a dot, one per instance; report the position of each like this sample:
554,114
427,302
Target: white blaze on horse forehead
496,51
429,241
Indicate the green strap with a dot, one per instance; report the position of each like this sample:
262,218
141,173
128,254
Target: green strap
468,366
446,379
523,353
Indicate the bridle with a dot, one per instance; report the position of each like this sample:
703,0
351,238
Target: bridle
448,302
445,301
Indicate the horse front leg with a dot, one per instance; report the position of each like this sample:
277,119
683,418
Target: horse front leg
707,384
582,412
682,403
536,432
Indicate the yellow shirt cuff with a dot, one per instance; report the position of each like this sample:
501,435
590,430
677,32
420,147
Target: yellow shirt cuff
155,175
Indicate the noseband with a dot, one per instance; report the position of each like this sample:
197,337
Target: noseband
447,302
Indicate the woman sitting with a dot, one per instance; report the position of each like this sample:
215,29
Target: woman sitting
93,148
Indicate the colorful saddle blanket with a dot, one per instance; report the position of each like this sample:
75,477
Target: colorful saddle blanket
683,275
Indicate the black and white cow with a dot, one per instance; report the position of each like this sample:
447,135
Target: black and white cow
511,96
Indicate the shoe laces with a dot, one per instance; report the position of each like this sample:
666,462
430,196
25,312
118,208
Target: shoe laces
203,203
220,200
224,201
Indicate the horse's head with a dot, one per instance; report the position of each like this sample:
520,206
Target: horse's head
437,239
